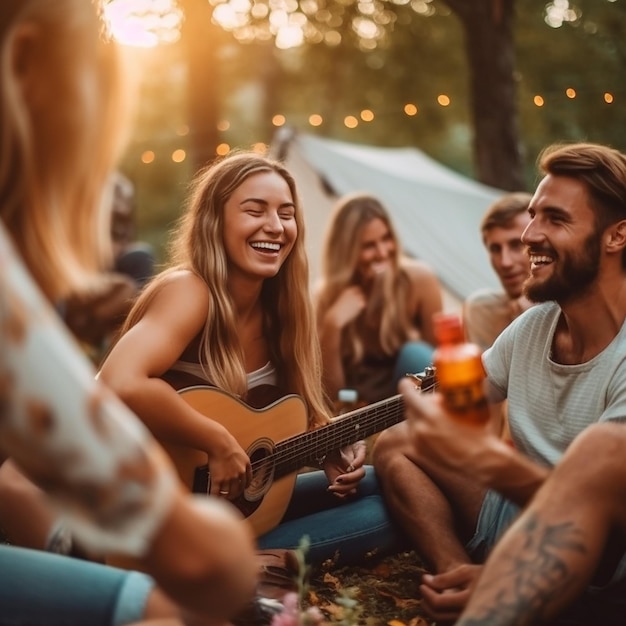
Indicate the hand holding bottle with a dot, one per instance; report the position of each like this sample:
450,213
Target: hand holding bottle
459,371
444,440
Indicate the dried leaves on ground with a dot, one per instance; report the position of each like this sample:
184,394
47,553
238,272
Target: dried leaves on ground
385,592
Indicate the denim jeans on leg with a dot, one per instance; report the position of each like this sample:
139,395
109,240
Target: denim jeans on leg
39,587
347,530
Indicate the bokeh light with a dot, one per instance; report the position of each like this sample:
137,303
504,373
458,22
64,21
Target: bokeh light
144,23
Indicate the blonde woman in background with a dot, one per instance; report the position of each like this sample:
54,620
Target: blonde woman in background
374,305
61,115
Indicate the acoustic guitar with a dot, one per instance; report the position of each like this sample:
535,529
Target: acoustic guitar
278,444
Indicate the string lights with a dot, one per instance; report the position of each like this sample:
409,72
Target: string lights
350,121
148,23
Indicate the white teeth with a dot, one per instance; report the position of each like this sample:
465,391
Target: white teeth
266,245
536,260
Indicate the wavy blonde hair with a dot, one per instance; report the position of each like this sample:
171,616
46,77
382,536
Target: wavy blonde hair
342,248
197,245
53,187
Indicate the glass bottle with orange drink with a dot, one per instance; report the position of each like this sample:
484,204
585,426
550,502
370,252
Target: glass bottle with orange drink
459,371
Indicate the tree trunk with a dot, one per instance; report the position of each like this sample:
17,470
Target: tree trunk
488,26
201,40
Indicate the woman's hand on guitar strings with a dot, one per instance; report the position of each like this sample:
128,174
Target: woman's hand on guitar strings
344,469
231,471
231,490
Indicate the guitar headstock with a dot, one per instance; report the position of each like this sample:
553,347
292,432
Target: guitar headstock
425,380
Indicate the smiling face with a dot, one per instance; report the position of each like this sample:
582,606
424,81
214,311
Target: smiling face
259,226
563,241
508,254
378,250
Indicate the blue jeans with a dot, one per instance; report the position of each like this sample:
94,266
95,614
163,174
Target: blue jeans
39,587
413,357
347,531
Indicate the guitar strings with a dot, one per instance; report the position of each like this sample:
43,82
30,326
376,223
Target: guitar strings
294,452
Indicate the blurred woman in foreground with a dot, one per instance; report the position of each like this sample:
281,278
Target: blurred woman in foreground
61,116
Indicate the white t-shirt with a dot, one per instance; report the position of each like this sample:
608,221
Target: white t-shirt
73,437
550,403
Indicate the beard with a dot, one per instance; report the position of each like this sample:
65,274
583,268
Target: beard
576,274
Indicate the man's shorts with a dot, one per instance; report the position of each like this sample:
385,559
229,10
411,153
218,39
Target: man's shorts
496,515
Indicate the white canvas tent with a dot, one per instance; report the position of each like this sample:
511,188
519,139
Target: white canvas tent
436,211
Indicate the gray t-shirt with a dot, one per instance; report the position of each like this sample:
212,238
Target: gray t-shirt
549,403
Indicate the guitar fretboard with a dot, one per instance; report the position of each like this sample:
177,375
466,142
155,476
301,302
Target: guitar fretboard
305,449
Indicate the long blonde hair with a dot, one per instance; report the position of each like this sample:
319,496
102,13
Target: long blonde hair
342,248
53,176
198,245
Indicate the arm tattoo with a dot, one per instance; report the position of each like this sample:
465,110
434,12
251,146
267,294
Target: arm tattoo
529,577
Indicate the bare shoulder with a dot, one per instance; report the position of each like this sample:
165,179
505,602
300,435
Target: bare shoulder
418,271
486,298
184,291
186,279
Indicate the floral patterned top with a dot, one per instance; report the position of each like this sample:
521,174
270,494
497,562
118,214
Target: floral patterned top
68,433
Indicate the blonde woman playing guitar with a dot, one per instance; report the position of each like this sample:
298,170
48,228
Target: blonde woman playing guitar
233,310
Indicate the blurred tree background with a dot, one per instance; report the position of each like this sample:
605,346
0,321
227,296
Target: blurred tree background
479,85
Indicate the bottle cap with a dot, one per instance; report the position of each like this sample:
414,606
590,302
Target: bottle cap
348,395
448,328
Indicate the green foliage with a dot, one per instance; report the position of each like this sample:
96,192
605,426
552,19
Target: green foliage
159,119
420,56
588,55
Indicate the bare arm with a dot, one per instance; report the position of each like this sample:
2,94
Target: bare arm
133,368
554,548
26,514
426,296
331,323
203,557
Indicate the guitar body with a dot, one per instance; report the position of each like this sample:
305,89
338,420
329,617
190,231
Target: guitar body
276,440
258,431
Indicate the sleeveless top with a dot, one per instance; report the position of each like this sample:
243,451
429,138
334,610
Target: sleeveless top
265,375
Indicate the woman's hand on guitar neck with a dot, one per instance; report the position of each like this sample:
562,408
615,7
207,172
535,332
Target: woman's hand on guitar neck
344,469
231,471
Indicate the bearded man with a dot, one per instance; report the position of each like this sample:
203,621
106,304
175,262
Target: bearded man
561,365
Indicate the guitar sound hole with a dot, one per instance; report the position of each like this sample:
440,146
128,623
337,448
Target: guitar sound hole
262,461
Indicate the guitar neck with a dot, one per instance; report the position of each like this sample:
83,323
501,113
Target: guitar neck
305,449
278,448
